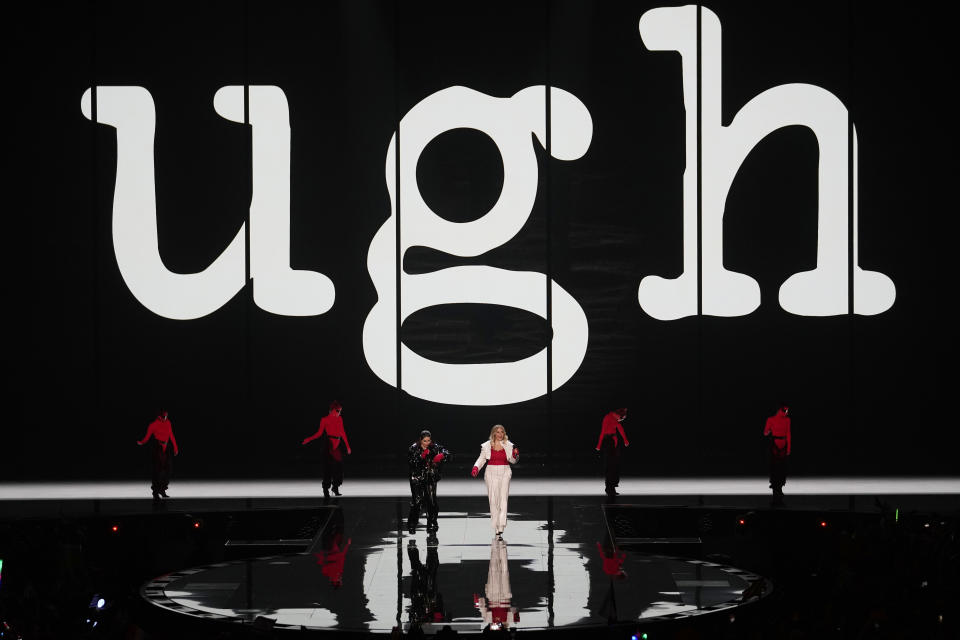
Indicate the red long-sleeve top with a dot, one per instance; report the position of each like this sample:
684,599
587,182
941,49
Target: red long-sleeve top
610,426
332,424
778,426
162,430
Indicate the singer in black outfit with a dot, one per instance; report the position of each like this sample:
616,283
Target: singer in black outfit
425,458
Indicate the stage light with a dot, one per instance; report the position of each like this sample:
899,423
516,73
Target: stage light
101,603
1,570
196,524
823,524
115,528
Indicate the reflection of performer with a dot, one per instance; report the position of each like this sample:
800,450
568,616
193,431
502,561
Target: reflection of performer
609,443
498,453
161,430
332,559
425,458
332,426
495,606
778,429
426,603
612,560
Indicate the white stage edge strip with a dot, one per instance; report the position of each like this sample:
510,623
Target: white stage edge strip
194,489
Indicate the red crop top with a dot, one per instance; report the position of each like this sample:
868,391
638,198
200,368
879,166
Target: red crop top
498,457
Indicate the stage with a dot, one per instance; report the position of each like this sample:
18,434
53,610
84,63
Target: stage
555,569
249,563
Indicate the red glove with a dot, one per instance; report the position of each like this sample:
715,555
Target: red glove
437,458
475,472
423,454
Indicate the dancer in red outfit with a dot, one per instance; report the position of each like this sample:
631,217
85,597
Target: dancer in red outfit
778,430
609,443
161,430
332,426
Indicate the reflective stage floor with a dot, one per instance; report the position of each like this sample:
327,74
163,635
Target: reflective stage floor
233,561
558,566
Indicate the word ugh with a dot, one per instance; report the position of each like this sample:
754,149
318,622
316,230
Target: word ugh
509,122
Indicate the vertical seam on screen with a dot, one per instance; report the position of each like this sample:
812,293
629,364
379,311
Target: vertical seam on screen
398,257
851,229
549,227
248,283
95,150
699,160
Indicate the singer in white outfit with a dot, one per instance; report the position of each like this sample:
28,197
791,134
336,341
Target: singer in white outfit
498,453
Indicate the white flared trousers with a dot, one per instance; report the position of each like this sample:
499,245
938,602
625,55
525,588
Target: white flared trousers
497,477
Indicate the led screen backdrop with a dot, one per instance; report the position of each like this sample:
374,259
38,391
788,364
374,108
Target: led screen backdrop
449,215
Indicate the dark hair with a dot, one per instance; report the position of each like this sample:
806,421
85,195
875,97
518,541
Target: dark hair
622,411
425,434
335,406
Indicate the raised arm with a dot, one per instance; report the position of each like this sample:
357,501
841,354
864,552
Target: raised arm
442,454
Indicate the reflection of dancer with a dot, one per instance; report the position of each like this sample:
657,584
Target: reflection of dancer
778,429
612,560
425,458
161,430
609,443
426,603
332,559
495,606
498,453
332,426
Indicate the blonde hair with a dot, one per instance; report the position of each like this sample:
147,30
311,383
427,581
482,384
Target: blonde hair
494,430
